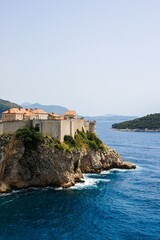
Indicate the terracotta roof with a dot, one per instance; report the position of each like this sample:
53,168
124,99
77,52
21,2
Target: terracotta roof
38,111
27,111
70,112
55,115
16,110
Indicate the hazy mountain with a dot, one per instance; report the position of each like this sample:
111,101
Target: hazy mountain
5,105
46,108
26,104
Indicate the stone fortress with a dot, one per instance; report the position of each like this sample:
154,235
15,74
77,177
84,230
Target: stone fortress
57,126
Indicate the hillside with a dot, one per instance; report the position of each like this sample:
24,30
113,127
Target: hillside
5,105
46,108
148,123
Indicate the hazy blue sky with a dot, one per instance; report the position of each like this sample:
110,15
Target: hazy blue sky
94,56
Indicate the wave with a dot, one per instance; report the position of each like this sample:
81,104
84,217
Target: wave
13,192
90,181
106,172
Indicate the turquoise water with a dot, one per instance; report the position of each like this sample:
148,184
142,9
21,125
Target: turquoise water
112,205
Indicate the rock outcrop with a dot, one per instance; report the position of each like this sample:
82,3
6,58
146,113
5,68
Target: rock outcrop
95,162
50,166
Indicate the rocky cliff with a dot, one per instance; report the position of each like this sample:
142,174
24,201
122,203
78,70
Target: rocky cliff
51,163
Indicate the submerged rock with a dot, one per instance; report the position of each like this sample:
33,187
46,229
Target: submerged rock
49,166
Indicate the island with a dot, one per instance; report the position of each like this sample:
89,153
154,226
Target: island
148,123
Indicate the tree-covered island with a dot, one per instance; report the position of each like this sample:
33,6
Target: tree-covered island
148,123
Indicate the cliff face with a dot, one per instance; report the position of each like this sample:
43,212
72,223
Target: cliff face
50,166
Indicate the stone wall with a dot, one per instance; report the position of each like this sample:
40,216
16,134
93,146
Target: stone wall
11,127
1,128
52,128
77,124
65,128
55,128
92,127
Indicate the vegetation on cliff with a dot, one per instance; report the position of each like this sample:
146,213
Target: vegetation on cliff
5,105
81,141
30,159
31,138
150,122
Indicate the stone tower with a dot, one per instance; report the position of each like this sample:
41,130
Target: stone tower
92,127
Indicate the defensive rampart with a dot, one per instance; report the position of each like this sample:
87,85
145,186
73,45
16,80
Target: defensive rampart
55,128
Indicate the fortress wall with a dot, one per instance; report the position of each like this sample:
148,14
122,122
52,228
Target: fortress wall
52,128
1,128
77,124
11,127
65,128
55,128
86,125
92,127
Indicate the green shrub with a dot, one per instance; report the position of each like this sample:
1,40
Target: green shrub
88,140
70,140
63,147
59,146
93,145
80,141
30,138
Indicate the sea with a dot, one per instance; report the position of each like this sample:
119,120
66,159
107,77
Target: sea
113,205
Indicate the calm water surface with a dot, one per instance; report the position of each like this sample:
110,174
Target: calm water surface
113,205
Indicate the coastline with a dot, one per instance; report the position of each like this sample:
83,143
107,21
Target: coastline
136,130
51,163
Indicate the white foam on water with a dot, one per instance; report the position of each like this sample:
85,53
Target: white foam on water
24,190
115,170
105,172
139,168
58,189
11,193
89,182
120,170
5,194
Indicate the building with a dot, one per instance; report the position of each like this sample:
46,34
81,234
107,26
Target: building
54,116
57,126
71,114
19,114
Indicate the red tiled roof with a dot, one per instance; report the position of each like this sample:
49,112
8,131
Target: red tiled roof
27,111
16,110
70,112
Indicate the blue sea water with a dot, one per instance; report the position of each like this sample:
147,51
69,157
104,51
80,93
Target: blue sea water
112,205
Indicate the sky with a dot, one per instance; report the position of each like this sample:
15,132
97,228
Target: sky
95,56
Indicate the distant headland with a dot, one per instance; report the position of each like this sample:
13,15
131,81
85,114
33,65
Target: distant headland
149,123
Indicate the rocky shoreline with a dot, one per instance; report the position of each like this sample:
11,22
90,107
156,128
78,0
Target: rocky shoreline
48,165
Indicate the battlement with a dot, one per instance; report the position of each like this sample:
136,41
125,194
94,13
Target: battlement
55,128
